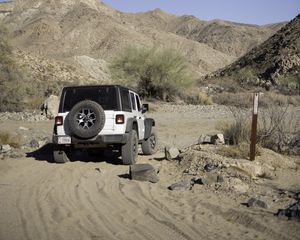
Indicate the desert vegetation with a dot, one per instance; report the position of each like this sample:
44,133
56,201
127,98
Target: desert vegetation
12,140
278,130
162,74
10,77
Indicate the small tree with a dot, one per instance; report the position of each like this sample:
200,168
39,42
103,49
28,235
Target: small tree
155,73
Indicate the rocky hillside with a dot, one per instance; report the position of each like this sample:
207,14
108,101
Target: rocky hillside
275,62
88,34
234,39
69,29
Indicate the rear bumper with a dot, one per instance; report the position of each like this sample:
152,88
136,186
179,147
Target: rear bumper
100,139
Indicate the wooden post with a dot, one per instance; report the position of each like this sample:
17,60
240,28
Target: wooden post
254,128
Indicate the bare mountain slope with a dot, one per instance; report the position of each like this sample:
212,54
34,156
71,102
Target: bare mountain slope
86,35
234,39
276,61
66,29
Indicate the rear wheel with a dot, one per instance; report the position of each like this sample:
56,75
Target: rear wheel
61,154
149,146
130,149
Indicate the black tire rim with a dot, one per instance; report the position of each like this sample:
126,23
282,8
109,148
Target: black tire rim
134,148
152,142
86,118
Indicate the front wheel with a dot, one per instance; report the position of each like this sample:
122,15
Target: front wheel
130,149
149,146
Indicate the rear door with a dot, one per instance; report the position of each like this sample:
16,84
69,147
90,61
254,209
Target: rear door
137,112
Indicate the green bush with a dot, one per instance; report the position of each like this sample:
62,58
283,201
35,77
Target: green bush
161,74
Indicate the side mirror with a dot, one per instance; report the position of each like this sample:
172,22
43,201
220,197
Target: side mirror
145,107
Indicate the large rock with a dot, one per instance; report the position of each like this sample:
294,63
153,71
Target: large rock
143,172
218,139
211,139
292,212
51,106
253,202
181,185
204,139
5,148
171,153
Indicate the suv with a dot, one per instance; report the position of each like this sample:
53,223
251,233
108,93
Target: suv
102,117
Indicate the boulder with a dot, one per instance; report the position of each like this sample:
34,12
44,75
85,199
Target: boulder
209,167
292,212
253,202
218,139
181,185
5,148
50,106
198,180
205,139
143,172
220,179
171,153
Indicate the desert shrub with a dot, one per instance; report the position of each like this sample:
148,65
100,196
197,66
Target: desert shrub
246,77
289,83
237,151
13,140
278,99
162,74
278,128
241,100
11,79
245,100
196,97
237,131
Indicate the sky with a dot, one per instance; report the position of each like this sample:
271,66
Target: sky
243,11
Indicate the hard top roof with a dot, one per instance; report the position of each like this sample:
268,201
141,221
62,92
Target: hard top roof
95,86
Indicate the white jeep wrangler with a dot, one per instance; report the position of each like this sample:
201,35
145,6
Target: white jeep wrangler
102,117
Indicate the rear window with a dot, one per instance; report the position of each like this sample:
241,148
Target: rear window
105,96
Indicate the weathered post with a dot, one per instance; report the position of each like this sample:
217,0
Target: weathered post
254,128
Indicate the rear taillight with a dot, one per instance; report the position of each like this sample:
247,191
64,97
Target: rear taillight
59,120
119,119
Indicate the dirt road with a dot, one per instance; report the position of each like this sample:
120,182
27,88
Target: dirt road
95,199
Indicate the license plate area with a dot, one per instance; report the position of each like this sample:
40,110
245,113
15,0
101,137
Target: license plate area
64,140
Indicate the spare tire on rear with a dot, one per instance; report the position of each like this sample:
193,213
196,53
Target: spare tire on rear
86,119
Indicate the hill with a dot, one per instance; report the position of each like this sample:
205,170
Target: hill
68,29
276,62
234,39
64,42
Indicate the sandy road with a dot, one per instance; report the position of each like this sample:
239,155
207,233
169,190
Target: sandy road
41,200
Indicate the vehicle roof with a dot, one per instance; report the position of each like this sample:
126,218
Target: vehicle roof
109,85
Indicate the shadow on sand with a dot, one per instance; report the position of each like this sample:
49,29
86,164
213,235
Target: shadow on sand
45,153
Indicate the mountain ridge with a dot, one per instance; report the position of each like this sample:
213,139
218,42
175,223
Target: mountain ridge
68,30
